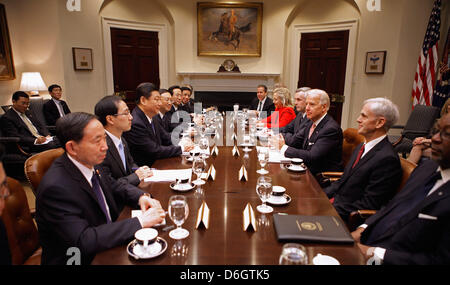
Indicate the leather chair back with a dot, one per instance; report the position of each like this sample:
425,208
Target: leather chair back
351,140
407,169
37,165
22,233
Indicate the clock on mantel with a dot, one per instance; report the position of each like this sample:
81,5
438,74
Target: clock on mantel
229,66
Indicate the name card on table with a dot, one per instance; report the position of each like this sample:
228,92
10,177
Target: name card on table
248,218
211,173
215,151
203,216
235,151
234,137
243,174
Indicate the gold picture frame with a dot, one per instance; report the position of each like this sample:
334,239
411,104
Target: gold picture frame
82,58
375,62
7,71
229,29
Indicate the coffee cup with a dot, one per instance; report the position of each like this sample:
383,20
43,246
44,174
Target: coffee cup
278,191
297,161
182,180
146,237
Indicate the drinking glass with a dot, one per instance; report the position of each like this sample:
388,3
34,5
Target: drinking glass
203,144
263,158
178,212
264,190
293,254
198,167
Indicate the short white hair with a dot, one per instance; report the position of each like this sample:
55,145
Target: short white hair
324,99
302,91
385,108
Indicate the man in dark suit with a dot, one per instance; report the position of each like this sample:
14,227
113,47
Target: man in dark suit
178,114
116,118
374,172
146,139
320,142
414,227
55,108
76,203
262,104
18,122
300,120
164,115
5,256
187,102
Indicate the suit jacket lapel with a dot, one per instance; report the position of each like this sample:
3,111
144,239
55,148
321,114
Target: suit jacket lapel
115,153
108,196
76,174
316,131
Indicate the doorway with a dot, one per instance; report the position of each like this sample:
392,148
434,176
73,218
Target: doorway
323,63
135,59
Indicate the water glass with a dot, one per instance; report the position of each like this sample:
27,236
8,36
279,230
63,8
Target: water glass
293,254
263,158
178,213
264,190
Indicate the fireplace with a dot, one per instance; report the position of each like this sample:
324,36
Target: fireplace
224,100
223,89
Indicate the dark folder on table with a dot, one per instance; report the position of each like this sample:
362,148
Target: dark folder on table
311,229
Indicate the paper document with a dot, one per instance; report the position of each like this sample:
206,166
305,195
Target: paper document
276,157
169,175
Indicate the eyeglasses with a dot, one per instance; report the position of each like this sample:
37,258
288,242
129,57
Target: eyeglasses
443,133
4,190
126,113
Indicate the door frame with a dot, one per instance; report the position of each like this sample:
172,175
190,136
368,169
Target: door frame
108,23
296,35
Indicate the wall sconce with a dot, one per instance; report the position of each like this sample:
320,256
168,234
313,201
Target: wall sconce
32,82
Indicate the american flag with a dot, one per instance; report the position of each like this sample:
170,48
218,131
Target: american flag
426,67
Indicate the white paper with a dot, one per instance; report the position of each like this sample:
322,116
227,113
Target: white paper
48,139
169,175
276,157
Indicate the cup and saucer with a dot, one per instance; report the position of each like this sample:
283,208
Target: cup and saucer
182,185
279,196
146,244
321,259
296,165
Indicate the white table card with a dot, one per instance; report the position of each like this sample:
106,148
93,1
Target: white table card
169,175
248,218
215,151
243,174
235,151
203,216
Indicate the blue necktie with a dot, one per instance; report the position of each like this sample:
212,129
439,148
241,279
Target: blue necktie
402,208
122,156
98,193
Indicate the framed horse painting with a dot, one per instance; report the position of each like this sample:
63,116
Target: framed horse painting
229,29
7,71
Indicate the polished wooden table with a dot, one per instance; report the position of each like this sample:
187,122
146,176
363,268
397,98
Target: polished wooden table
225,242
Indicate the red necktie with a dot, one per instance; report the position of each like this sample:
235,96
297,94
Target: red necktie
360,153
311,130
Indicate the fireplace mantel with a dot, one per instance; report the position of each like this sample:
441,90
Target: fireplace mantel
228,81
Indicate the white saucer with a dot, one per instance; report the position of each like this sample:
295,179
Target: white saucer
137,251
182,187
279,200
321,259
295,168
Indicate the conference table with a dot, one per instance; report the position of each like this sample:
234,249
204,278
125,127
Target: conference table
225,242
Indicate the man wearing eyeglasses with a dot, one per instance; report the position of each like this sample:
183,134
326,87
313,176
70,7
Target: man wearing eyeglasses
414,227
116,118
5,256
18,122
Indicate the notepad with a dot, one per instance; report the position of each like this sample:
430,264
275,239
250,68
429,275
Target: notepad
169,175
